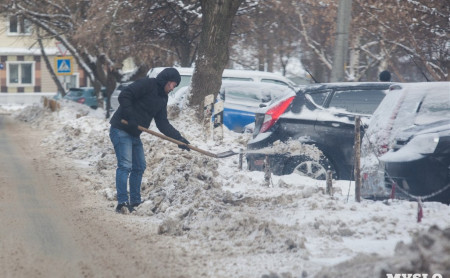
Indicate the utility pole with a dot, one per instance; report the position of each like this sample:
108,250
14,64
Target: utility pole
341,43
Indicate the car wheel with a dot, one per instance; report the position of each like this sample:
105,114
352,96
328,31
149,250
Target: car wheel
306,165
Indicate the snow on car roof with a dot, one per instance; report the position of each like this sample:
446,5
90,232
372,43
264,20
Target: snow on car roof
230,73
341,85
257,89
399,106
396,112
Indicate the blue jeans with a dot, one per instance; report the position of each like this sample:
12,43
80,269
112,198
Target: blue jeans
130,164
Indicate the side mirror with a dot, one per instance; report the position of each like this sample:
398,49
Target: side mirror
262,105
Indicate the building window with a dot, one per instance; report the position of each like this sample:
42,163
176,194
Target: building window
19,26
20,74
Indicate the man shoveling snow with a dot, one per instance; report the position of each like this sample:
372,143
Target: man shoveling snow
140,103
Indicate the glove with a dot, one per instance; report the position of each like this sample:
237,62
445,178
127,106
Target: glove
184,147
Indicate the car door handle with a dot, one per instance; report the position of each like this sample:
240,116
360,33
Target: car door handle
335,124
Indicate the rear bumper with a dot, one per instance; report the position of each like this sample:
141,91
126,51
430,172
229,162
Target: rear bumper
373,183
259,149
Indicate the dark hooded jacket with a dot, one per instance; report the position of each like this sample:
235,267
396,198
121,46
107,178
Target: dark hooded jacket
145,100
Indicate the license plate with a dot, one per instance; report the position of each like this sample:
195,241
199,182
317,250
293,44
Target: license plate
259,162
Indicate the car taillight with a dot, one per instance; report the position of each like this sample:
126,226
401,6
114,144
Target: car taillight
272,115
383,149
81,100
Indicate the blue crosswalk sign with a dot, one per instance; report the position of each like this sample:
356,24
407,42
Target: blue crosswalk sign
64,65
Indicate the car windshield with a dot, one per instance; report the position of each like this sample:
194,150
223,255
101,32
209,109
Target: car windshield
358,101
434,107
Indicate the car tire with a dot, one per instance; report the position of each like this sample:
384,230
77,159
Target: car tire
306,165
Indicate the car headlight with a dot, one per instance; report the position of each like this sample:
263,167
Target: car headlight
424,143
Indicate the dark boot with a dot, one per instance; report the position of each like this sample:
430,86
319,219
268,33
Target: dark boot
123,208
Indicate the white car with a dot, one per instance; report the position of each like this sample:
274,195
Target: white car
230,74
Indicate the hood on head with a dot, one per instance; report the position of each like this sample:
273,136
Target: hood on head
168,74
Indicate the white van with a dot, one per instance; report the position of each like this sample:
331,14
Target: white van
230,74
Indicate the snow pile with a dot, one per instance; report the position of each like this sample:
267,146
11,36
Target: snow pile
290,228
292,148
427,254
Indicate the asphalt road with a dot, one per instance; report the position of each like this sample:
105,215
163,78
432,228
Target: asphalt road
47,228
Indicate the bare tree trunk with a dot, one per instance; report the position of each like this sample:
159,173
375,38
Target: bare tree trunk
261,54
269,59
186,50
49,66
213,52
185,55
111,78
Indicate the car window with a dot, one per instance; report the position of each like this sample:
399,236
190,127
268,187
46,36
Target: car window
274,81
75,93
242,95
357,101
237,78
319,97
434,107
185,80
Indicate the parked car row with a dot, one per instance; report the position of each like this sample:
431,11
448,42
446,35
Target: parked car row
407,143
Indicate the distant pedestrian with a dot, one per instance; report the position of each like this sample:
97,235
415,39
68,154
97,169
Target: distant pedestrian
140,103
385,76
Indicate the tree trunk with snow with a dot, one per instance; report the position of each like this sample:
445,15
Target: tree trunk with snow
213,50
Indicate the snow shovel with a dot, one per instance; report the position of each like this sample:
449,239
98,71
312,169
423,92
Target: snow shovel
162,136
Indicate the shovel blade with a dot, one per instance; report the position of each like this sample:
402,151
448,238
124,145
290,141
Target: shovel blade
226,154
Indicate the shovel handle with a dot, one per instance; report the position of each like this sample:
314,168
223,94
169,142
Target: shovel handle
162,136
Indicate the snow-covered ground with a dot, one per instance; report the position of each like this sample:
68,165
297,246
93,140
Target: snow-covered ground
288,228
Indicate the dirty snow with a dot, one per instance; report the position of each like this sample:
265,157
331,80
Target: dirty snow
290,228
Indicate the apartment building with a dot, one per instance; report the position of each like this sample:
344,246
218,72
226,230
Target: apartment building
22,66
